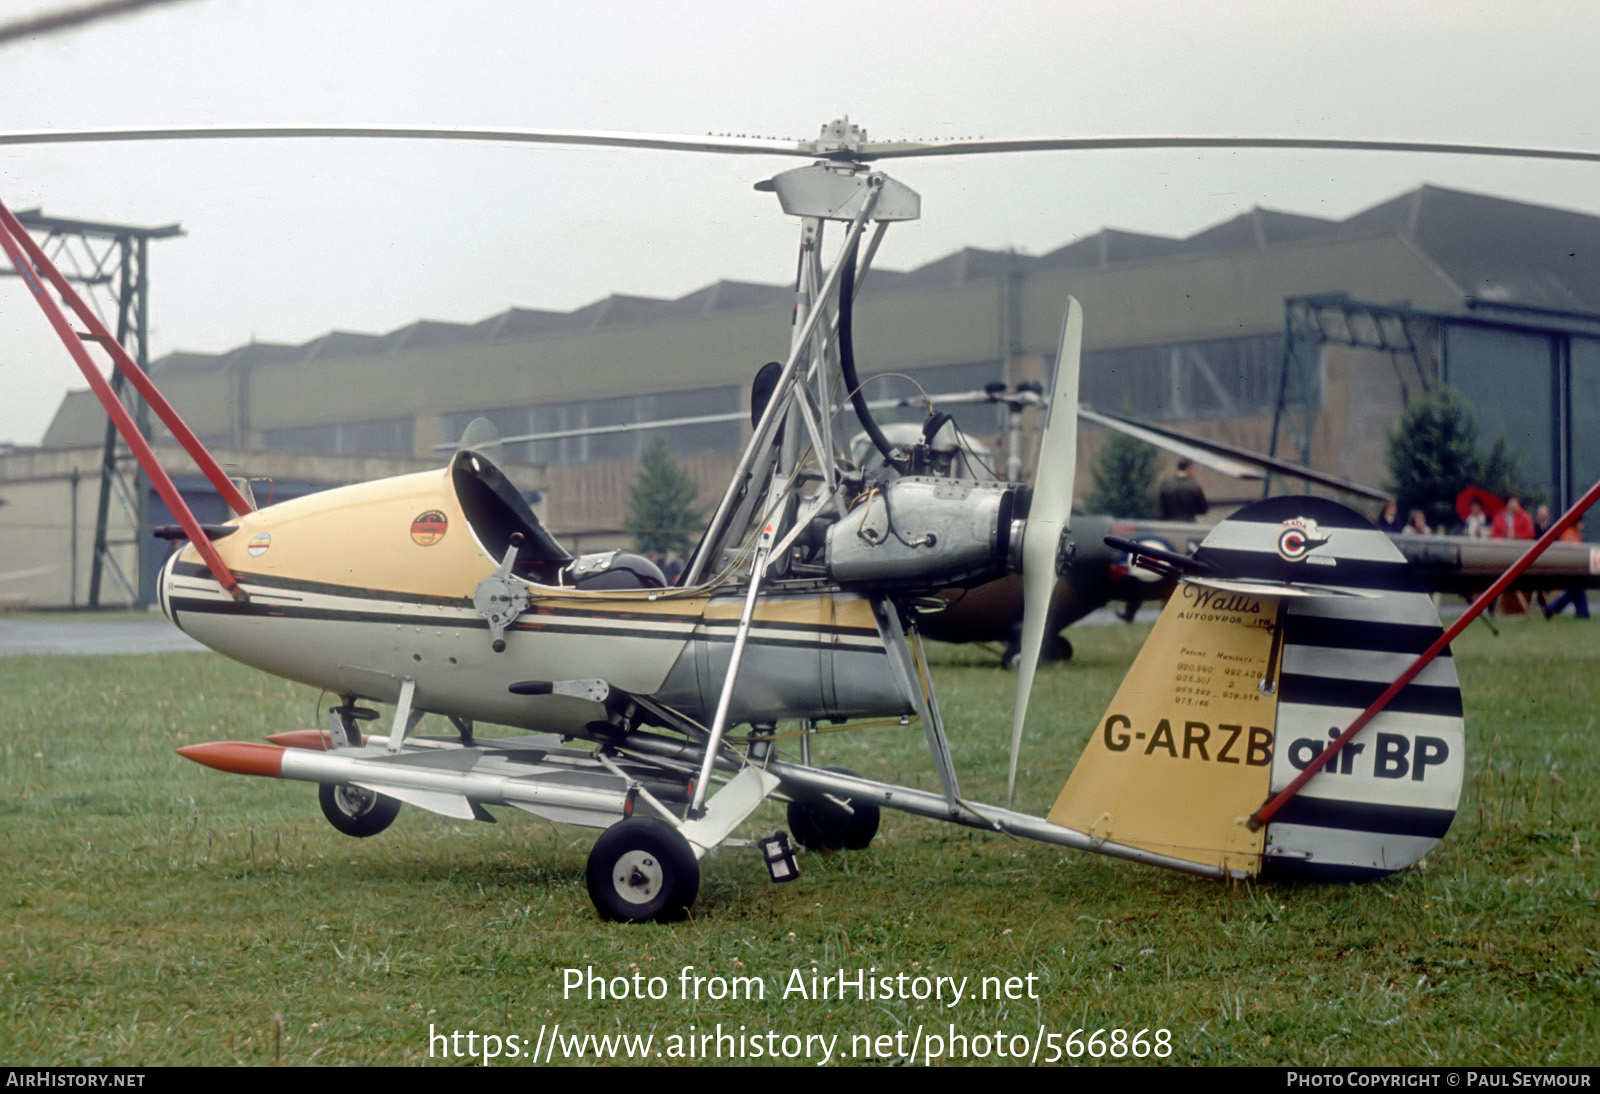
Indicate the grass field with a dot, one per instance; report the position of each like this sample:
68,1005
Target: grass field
161,913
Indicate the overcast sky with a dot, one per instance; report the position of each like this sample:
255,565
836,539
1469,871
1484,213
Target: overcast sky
287,240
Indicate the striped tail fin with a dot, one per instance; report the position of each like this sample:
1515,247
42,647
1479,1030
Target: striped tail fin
1245,680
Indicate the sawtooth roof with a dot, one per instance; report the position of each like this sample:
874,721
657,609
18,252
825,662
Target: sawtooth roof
1495,250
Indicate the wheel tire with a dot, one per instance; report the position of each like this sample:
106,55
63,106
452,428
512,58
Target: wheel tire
356,811
641,870
1058,648
817,824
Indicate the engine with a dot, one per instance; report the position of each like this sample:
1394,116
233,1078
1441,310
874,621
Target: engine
925,533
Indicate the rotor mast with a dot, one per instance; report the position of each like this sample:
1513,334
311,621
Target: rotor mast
766,484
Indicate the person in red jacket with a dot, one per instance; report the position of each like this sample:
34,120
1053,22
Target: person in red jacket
1512,522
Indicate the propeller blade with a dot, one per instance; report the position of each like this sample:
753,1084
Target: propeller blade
1050,513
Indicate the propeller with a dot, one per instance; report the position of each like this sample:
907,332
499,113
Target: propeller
1048,517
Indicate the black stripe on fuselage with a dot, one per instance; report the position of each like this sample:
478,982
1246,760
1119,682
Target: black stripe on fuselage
273,581
688,632
1348,573
1389,820
1287,507
1360,634
1340,691
685,618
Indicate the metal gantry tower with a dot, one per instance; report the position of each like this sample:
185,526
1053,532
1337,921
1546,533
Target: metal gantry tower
112,262
1311,322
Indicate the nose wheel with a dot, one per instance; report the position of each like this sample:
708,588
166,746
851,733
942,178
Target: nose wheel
641,870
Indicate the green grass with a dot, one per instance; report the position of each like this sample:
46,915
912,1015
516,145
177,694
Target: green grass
162,913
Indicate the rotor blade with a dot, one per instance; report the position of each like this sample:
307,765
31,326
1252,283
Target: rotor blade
864,152
747,146
1183,447
884,150
1049,514
482,437
1214,453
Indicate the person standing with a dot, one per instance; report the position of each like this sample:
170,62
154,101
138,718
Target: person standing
1477,522
1181,497
1512,522
1578,598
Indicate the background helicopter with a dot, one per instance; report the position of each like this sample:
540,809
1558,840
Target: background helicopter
828,561
1099,574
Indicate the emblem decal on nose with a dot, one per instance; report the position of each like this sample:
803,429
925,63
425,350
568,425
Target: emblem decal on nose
429,528
259,543
1299,538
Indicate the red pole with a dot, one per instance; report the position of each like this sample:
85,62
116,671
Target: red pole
119,414
129,367
1570,517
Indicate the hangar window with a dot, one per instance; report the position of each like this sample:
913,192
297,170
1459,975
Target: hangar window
1224,378
586,420
387,437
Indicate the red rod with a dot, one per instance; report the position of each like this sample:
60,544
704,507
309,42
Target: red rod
119,415
1570,517
130,368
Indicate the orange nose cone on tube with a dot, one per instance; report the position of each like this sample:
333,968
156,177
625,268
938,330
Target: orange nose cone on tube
313,740
239,757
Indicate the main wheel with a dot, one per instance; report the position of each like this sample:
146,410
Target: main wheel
356,811
641,870
1058,648
822,825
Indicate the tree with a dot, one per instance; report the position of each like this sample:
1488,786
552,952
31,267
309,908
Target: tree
1124,479
1434,455
662,516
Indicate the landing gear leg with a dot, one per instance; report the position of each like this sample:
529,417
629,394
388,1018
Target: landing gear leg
344,722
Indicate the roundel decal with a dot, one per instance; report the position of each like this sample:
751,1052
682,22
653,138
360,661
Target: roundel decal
429,528
259,543
1299,538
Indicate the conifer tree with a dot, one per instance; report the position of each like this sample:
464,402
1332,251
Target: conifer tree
662,516
1434,455
1124,479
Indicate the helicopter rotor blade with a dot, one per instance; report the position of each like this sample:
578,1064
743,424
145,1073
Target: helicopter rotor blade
747,146
1241,463
859,151
1048,516
883,150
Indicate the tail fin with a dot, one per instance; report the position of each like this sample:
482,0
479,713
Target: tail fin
1246,679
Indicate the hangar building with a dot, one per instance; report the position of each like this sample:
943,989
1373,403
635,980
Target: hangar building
1498,298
